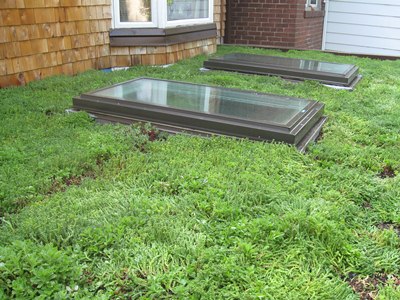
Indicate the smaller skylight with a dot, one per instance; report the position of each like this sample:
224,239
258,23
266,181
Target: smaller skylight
299,69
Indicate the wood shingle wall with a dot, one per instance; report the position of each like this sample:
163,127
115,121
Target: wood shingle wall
220,18
39,38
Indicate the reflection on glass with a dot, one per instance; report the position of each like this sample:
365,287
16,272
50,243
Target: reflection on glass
290,63
187,9
135,10
210,100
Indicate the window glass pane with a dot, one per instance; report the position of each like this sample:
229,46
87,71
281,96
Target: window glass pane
187,9
135,10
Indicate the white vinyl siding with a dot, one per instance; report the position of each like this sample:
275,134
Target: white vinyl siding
363,26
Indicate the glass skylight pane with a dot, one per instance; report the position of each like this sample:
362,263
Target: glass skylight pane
284,62
210,100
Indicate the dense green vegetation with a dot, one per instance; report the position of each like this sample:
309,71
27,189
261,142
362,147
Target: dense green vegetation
99,212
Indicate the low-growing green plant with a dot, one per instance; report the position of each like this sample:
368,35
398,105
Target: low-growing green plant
131,214
30,271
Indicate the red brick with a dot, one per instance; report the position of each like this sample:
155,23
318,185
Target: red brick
279,23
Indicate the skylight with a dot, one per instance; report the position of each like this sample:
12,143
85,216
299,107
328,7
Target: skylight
298,69
199,109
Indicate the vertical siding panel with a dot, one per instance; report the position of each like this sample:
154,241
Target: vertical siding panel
371,27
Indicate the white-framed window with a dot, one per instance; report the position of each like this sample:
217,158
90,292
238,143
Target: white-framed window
313,4
161,13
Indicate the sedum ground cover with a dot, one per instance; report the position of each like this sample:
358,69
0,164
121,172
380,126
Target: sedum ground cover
93,211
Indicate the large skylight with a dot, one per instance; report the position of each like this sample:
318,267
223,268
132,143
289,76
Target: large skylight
177,106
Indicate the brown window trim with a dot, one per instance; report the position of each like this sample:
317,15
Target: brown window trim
120,37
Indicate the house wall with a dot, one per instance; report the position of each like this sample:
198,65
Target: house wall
47,37
283,23
220,19
309,27
364,27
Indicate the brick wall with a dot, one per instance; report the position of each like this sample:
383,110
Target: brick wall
277,23
39,38
309,29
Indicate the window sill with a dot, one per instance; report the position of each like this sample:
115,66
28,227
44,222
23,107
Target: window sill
314,14
121,37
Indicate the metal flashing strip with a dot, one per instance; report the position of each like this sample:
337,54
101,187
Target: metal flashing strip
299,69
351,87
205,110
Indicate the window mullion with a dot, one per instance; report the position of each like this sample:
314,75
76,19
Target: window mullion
161,8
211,10
115,14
